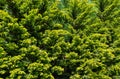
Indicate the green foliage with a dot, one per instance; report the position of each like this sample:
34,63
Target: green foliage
59,39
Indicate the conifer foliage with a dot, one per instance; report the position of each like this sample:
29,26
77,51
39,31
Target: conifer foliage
59,39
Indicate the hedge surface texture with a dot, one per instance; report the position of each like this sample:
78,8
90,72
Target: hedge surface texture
59,39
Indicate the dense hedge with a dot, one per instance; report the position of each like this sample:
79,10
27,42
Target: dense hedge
59,39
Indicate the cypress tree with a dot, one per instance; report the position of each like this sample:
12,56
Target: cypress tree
59,39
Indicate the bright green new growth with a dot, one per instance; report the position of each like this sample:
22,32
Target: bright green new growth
59,39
